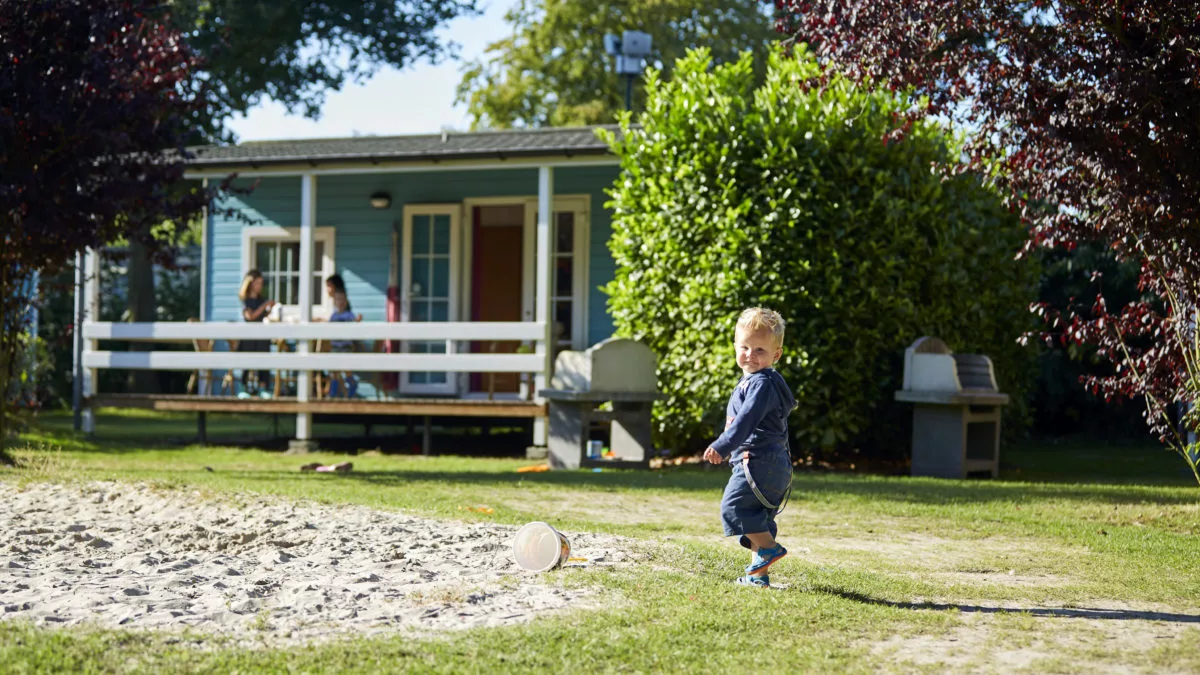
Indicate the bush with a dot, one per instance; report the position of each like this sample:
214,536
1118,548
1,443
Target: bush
798,195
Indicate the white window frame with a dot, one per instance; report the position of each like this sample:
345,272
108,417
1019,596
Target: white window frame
255,234
578,205
454,211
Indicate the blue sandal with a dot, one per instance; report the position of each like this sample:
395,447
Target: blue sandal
760,582
765,557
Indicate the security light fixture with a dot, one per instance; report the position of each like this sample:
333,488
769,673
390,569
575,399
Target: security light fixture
381,200
630,51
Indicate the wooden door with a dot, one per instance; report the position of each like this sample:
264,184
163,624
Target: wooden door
496,296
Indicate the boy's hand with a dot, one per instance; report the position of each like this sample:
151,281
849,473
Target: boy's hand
712,456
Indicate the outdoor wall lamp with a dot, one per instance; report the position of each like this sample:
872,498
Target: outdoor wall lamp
381,200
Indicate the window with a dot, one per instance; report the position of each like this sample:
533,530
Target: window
275,251
563,293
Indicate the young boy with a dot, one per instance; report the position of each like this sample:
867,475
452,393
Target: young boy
755,442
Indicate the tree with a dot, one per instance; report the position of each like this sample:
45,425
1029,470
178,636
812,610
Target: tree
783,196
553,70
99,95
295,51
1089,110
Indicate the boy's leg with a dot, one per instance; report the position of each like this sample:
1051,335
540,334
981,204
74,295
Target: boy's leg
761,540
766,552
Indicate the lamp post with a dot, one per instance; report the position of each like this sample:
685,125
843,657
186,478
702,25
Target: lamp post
630,49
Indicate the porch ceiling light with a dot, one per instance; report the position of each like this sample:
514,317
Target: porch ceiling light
381,200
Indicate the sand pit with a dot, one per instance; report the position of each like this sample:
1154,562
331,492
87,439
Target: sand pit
263,570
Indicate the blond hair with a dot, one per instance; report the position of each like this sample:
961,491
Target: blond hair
244,291
758,319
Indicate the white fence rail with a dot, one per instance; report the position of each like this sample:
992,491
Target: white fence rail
450,333
337,330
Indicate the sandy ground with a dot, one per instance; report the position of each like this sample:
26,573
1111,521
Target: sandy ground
266,571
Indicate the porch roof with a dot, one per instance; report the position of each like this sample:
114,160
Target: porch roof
505,144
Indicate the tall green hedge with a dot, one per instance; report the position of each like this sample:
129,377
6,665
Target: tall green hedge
787,195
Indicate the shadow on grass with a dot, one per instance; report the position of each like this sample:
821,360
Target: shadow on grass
917,491
1053,612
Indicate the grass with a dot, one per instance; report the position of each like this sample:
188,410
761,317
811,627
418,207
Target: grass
888,573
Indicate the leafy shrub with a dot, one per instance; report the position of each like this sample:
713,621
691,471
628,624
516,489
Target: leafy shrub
797,195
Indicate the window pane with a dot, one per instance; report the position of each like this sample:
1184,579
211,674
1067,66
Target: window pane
318,289
264,257
437,378
563,277
418,378
319,257
289,254
270,287
420,235
420,277
439,310
565,227
562,320
291,293
441,278
420,310
441,235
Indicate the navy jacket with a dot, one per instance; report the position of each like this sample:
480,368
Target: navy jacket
756,417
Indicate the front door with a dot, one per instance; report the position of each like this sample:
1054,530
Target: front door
498,236
428,286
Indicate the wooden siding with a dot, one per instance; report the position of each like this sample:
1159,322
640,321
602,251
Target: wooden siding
364,234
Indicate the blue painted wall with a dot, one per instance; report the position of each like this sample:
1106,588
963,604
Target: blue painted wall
364,235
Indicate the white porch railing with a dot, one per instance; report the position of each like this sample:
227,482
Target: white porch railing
449,332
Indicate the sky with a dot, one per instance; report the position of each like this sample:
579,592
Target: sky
419,99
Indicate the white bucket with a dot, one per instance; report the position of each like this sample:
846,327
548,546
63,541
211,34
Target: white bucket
538,547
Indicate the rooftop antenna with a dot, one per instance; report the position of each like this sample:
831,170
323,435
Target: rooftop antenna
630,49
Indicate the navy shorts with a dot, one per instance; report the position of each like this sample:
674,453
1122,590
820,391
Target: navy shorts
741,511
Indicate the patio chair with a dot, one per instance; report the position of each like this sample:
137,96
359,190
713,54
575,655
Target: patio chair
322,380
202,378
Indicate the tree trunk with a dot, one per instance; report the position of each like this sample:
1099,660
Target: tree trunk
10,327
141,306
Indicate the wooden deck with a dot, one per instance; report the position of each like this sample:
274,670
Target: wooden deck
448,407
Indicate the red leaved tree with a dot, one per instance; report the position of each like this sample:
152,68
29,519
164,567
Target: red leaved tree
93,120
1087,113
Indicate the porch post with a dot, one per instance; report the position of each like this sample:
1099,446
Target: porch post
308,219
77,348
544,263
91,299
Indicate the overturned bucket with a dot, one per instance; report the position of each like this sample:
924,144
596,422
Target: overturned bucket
538,547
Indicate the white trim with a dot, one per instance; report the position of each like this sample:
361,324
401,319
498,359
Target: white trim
454,212
579,206
91,294
399,166
449,363
543,308
203,313
324,235
170,331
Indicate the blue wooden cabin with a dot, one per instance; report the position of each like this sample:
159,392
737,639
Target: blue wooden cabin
466,289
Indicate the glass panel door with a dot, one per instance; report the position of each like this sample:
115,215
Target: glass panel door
428,286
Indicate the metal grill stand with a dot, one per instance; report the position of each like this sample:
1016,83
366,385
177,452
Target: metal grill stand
956,417
617,372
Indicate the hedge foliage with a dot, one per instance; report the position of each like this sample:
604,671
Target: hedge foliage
798,197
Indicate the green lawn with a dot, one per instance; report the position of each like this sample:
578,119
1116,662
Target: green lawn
1040,571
